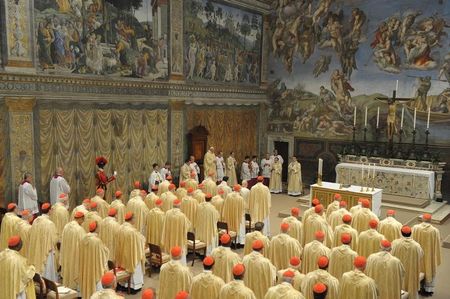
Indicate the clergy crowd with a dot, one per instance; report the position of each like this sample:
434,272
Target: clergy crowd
100,247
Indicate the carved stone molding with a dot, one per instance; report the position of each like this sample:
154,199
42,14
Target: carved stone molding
177,105
20,104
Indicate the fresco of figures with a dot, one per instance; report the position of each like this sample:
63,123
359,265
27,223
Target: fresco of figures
222,43
100,37
328,57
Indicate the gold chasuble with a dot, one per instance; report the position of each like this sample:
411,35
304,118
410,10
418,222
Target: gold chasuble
210,186
175,229
390,228
369,242
93,263
388,273
8,228
283,291
324,277
233,211
155,222
332,207
209,165
130,248
295,228
89,217
23,229
410,254
206,286
282,248
192,183
341,260
295,184
356,285
199,196
206,223
185,172
253,236
42,241
345,229
71,238
275,183
236,289
102,206
430,240
217,201
335,218
150,200
260,202
16,276
168,198
312,251
361,218
189,207
174,277
137,206
181,192
108,234
106,294
296,280
224,261
163,187
315,223
260,274
231,171
309,212
60,217
120,208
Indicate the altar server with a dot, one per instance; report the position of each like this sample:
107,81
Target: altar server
390,227
312,251
257,235
43,238
266,169
233,213
387,271
166,170
9,223
206,284
295,184
58,186
321,276
369,240
260,202
430,240
260,274
155,223
410,254
231,170
209,164
118,205
109,232
342,257
206,224
276,185
102,205
356,284
362,217
236,289
283,247
27,198
254,171
245,169
174,276
285,289
16,275
224,259
155,177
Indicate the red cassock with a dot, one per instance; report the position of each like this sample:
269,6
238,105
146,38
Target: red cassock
102,179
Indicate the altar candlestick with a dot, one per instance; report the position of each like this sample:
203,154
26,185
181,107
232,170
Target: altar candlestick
320,166
362,173
415,115
378,116
354,117
365,118
428,118
373,171
396,87
403,113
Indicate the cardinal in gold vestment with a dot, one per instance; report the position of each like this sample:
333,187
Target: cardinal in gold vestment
390,227
93,262
233,213
91,216
109,285
174,276
217,201
429,239
199,195
294,266
335,217
387,271
118,205
151,197
355,284
295,184
43,240
333,206
192,182
284,289
109,232
206,285
60,216
369,240
84,207
206,224
321,275
189,206
346,228
236,289
23,229
71,238
136,191
155,222
224,259
362,217
310,211
295,225
410,254
9,223
137,206
342,257
283,247
317,222
259,204
130,252
168,198
16,276
185,171
209,164
210,185
260,274
102,205
181,191
312,251
257,235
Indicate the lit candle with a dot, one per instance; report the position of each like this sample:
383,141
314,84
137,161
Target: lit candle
415,115
378,116
362,173
403,113
320,166
428,118
354,117
373,174
396,87
365,118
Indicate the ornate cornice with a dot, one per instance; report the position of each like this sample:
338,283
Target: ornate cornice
20,104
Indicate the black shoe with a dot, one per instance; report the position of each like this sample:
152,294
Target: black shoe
134,292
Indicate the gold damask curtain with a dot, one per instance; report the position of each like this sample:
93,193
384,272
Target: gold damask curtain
230,129
131,139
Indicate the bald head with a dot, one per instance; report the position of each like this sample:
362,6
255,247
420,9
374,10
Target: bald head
59,171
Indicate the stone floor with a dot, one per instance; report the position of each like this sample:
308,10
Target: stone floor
283,203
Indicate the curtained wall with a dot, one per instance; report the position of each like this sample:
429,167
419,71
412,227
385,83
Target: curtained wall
3,155
230,129
132,139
